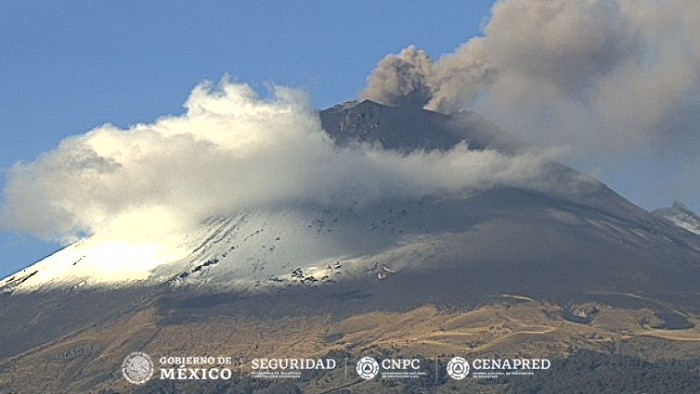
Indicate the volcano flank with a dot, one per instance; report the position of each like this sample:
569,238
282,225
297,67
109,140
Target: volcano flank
546,268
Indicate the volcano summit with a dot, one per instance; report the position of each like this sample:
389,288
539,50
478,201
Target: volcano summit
532,258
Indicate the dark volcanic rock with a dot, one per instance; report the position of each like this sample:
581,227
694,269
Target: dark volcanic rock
407,128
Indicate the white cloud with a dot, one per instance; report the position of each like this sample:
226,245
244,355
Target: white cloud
231,151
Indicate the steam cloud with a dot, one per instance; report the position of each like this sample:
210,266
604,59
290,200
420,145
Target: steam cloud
601,76
231,151
402,80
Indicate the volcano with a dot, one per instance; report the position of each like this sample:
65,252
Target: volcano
546,270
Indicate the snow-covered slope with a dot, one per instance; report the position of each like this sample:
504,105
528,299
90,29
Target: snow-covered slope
264,245
317,246
574,231
681,216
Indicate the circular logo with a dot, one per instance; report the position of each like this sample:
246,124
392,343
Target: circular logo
458,368
367,368
137,368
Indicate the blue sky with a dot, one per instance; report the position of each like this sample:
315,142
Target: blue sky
68,67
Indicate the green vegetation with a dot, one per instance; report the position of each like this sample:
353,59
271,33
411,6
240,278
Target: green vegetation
591,372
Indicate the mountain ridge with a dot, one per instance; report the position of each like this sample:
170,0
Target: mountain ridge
681,216
412,128
589,269
333,234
